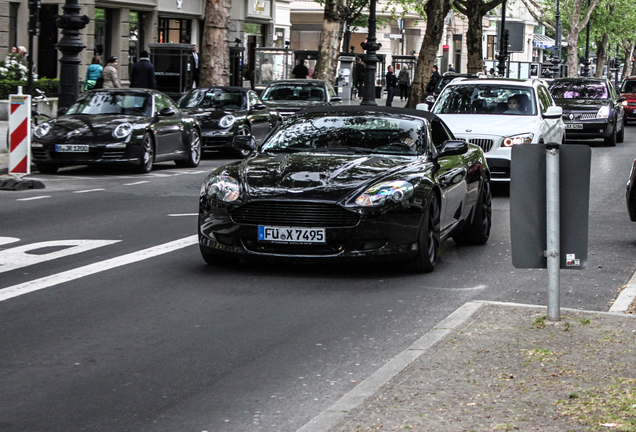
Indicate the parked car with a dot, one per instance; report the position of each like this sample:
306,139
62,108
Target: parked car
225,112
477,111
628,91
631,194
290,96
591,109
443,82
346,183
130,127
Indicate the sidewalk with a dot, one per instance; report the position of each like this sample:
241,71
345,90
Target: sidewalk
501,367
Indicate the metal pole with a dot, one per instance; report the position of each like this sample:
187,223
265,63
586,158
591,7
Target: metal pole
501,66
586,63
556,58
370,59
553,230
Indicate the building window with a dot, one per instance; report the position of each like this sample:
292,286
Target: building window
490,47
136,41
173,30
102,34
279,37
13,24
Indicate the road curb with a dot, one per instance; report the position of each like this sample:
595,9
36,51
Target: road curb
626,297
372,384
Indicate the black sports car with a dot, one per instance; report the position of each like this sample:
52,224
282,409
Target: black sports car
225,112
631,194
290,96
347,183
591,109
133,127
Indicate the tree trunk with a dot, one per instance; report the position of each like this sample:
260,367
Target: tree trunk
436,10
475,11
629,52
336,12
601,55
215,55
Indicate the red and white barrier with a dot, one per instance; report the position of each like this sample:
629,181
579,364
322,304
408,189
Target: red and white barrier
19,135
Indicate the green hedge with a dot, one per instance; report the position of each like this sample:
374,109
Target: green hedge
48,86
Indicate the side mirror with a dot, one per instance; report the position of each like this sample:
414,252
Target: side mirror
166,112
553,112
336,99
244,142
62,111
422,107
259,107
453,148
621,99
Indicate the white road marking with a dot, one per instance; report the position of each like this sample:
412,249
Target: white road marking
34,198
478,287
7,240
49,281
136,183
18,257
88,190
185,214
158,175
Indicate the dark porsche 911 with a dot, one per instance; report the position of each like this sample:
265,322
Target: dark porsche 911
348,183
290,96
591,109
133,127
225,112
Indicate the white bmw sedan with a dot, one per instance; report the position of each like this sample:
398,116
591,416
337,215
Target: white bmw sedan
497,113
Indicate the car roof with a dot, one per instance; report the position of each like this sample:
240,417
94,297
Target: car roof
359,109
499,81
230,88
297,81
580,79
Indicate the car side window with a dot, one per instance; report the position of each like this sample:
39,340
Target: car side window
253,99
330,92
439,134
160,103
544,99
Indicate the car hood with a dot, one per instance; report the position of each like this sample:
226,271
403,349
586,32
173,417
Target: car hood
209,117
294,105
316,176
495,125
77,128
581,104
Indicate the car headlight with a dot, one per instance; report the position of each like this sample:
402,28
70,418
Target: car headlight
227,121
122,130
517,139
603,112
42,129
221,187
396,191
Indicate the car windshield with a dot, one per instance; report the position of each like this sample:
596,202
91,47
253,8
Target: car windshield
445,80
310,92
486,99
93,103
349,134
213,98
579,90
629,86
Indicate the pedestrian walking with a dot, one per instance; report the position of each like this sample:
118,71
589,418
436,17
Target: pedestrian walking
451,68
143,73
300,70
432,82
195,66
404,81
391,85
267,71
109,74
93,72
359,75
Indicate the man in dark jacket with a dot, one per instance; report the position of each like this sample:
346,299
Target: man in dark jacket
391,84
143,73
359,75
432,83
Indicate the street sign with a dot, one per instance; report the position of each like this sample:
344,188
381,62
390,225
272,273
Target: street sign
392,36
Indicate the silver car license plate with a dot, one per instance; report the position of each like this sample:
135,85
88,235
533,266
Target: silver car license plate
291,234
75,148
573,125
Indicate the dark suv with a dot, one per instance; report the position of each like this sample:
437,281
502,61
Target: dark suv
591,109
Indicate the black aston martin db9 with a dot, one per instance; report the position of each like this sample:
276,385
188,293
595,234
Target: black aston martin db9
345,183
130,127
225,112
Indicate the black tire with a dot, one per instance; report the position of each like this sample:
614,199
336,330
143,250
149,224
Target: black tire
147,154
244,130
47,168
194,156
216,260
621,135
478,232
428,239
611,140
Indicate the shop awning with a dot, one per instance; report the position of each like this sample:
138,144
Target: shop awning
545,42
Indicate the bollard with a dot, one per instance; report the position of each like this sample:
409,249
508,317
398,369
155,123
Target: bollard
553,230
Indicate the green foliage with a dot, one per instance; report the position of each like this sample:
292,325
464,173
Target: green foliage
48,86
14,73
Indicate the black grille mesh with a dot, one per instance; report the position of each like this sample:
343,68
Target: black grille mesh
298,214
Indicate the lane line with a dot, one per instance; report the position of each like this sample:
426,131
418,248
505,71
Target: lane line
184,214
34,198
136,183
70,275
88,190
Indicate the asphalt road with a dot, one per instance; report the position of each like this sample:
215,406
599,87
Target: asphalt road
129,330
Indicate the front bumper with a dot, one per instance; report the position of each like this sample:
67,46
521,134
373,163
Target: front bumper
588,129
391,235
115,153
217,140
630,111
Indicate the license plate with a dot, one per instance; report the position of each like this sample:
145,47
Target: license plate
573,126
291,234
66,148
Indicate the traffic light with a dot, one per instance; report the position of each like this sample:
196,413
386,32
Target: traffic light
504,39
34,17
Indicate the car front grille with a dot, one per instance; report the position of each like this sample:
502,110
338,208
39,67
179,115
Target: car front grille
485,143
38,153
580,116
297,214
114,153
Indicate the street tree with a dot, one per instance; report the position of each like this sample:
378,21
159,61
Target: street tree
475,10
215,55
577,14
